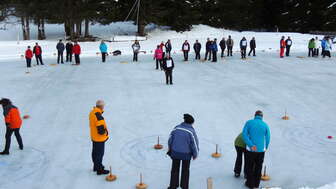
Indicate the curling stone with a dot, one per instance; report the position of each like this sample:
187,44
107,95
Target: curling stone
26,116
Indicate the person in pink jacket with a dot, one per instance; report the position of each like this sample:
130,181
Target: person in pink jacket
158,56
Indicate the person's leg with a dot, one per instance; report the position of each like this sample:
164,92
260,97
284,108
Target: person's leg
8,137
157,64
228,51
58,57
317,52
245,167
62,58
136,56
258,168
185,174
27,61
254,52
18,138
239,161
171,76
37,61
70,56
249,168
40,57
167,77
174,174
67,56
94,156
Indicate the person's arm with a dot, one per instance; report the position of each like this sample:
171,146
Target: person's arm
100,124
8,118
246,136
194,145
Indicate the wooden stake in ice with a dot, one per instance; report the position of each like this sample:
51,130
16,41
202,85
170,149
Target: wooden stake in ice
216,154
209,183
141,185
158,146
111,177
265,177
286,117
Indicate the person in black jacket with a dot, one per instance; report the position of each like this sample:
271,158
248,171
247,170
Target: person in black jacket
243,47
253,46
197,49
168,47
68,48
60,49
288,45
208,50
186,49
229,44
222,45
168,66
214,49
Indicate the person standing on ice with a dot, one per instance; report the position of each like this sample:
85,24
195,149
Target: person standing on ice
68,48
76,50
186,49
317,47
38,54
282,46
327,48
241,151
229,44
168,47
288,45
29,56
197,49
158,56
222,45
311,47
207,50
103,50
256,135
99,135
13,124
183,146
136,49
60,49
243,47
168,66
214,49
253,47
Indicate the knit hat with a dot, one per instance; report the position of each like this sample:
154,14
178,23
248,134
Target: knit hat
259,113
188,119
5,101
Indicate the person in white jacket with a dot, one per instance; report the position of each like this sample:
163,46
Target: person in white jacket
317,47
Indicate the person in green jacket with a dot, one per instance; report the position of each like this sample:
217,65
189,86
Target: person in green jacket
311,47
240,149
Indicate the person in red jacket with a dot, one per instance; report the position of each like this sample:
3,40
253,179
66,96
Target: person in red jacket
282,46
38,54
76,50
13,124
29,56
158,56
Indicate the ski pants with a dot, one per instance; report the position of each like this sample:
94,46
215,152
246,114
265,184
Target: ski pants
39,59
68,56
282,52
9,133
254,163
241,152
175,174
98,149
229,51
207,52
28,61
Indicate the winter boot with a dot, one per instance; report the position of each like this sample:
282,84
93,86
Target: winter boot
4,153
103,172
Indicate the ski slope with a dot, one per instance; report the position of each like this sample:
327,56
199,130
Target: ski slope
141,107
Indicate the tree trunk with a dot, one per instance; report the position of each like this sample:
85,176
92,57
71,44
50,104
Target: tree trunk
25,27
87,32
141,28
39,28
42,30
77,29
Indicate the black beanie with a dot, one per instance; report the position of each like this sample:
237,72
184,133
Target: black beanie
188,119
5,102
259,113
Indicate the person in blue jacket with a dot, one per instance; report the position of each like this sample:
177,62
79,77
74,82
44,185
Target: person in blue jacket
214,50
256,135
183,146
103,50
323,45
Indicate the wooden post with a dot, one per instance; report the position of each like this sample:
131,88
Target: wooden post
209,183
158,140
216,148
265,171
141,179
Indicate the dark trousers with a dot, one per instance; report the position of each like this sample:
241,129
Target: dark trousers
252,50
168,52
135,57
39,59
326,53
60,56
229,51
175,174
207,52
68,56
310,52
322,53
254,163
214,56
77,59
28,60
158,64
288,50
316,52
239,160
169,76
198,55
103,56
243,52
185,54
98,149
222,54
9,133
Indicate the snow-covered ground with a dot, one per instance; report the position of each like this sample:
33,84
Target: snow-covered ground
140,107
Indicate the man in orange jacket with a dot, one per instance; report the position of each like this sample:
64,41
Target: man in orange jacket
13,124
99,135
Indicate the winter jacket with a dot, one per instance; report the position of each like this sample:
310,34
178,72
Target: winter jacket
311,44
253,44
69,47
60,47
183,142
328,46
222,44
168,64
168,47
243,43
323,43
239,141
103,48
197,47
76,50
12,117
37,50
98,128
282,43
214,47
136,47
208,45
161,46
186,47
289,42
229,43
29,54
158,54
256,133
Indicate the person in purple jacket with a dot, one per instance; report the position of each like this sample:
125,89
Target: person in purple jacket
183,146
